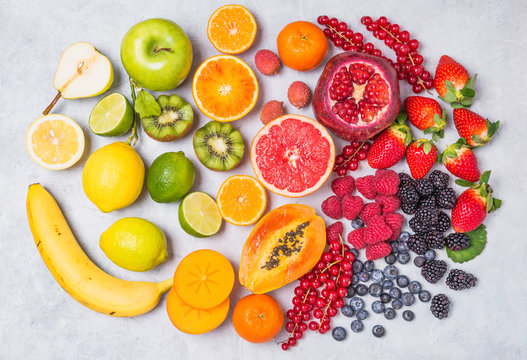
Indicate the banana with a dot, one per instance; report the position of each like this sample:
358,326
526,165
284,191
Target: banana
75,272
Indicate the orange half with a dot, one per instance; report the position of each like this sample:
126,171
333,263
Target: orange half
224,88
231,29
241,200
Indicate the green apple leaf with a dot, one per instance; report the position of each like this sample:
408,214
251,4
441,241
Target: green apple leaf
146,105
478,239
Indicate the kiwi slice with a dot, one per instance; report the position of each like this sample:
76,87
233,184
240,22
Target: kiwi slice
218,146
175,120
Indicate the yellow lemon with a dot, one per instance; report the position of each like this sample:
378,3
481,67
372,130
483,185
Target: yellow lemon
113,176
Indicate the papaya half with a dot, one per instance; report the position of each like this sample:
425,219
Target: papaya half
284,245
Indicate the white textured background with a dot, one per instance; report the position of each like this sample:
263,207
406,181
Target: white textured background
40,321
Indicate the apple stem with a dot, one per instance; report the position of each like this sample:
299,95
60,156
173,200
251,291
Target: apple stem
50,106
156,50
133,138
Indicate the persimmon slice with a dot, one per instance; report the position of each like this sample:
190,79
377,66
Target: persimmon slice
204,279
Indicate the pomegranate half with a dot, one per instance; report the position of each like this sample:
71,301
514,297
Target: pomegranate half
357,95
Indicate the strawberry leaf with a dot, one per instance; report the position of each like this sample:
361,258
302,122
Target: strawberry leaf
490,203
468,92
450,153
401,117
464,183
471,82
456,105
449,97
435,137
492,127
467,101
477,139
450,86
484,177
496,203
478,239
427,147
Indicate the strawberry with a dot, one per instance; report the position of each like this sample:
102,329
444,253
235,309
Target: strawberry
461,161
453,83
426,114
473,204
389,147
475,129
421,156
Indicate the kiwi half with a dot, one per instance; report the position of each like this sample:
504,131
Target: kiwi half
175,120
218,146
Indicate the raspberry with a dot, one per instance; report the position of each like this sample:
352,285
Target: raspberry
332,207
395,221
365,186
351,206
377,251
343,186
388,203
333,231
369,210
356,238
377,230
386,182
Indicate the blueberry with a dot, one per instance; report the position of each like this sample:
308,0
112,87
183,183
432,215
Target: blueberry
424,296
364,276
414,287
351,292
377,307
395,247
368,266
357,326
355,279
390,259
391,272
375,290
419,261
403,258
357,223
354,252
389,313
339,333
387,284
347,310
403,246
402,281
377,276
362,314
357,303
378,331
395,293
430,255
397,304
407,299
404,236
361,289
385,298
408,315
357,266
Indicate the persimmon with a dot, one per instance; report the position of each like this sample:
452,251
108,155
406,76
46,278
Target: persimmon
257,318
302,45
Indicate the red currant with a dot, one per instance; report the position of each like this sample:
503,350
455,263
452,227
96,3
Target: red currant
366,20
346,46
299,291
320,302
362,154
429,83
345,281
342,26
306,316
327,256
335,245
417,88
325,293
357,38
302,326
323,277
330,284
291,341
297,334
425,75
325,327
338,42
349,256
416,69
348,150
289,326
404,36
313,325
333,22
296,300
342,291
328,32
413,44
338,303
353,164
412,79
394,29
323,20
342,171
285,346
332,311
317,314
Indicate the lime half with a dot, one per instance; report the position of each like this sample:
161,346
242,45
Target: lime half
199,215
112,116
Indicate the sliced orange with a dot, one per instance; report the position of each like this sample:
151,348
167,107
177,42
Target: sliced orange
241,200
55,141
231,29
224,88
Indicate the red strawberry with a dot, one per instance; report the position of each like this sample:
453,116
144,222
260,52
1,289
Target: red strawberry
343,186
388,203
386,182
365,186
420,157
389,146
426,114
377,251
377,230
395,221
453,84
475,129
351,206
473,204
369,211
332,207
356,238
333,231
461,161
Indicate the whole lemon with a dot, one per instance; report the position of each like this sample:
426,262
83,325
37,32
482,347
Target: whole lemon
170,177
134,244
113,176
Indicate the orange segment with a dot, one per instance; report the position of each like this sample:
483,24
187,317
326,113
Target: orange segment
224,88
231,29
55,141
204,279
195,321
241,200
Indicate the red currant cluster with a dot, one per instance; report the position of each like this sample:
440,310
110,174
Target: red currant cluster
409,63
334,272
351,155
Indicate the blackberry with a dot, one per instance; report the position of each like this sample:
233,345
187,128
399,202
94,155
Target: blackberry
425,187
391,272
378,331
430,255
395,293
361,289
424,295
446,198
347,311
389,313
409,208
390,259
457,241
443,222
339,333
419,261
417,243
377,307
408,194
364,276
434,270
385,298
428,201
407,299
440,306
387,284
427,215
357,326
403,281
403,258
368,266
408,315
439,179
414,287
417,226
397,304
357,223
375,290
459,280
406,180
435,239
362,314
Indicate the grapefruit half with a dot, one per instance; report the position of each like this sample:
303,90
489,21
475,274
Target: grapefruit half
292,155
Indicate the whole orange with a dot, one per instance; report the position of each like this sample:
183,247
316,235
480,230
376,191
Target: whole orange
302,45
257,318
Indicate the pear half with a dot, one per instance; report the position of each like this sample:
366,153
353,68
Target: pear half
82,72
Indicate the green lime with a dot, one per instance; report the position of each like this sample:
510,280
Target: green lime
112,116
134,244
170,177
199,215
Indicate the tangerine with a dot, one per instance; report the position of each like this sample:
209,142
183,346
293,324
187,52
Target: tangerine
302,45
257,318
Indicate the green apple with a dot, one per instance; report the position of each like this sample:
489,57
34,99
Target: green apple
157,54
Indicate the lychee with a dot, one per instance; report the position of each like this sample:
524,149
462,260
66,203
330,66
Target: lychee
267,62
271,110
299,94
